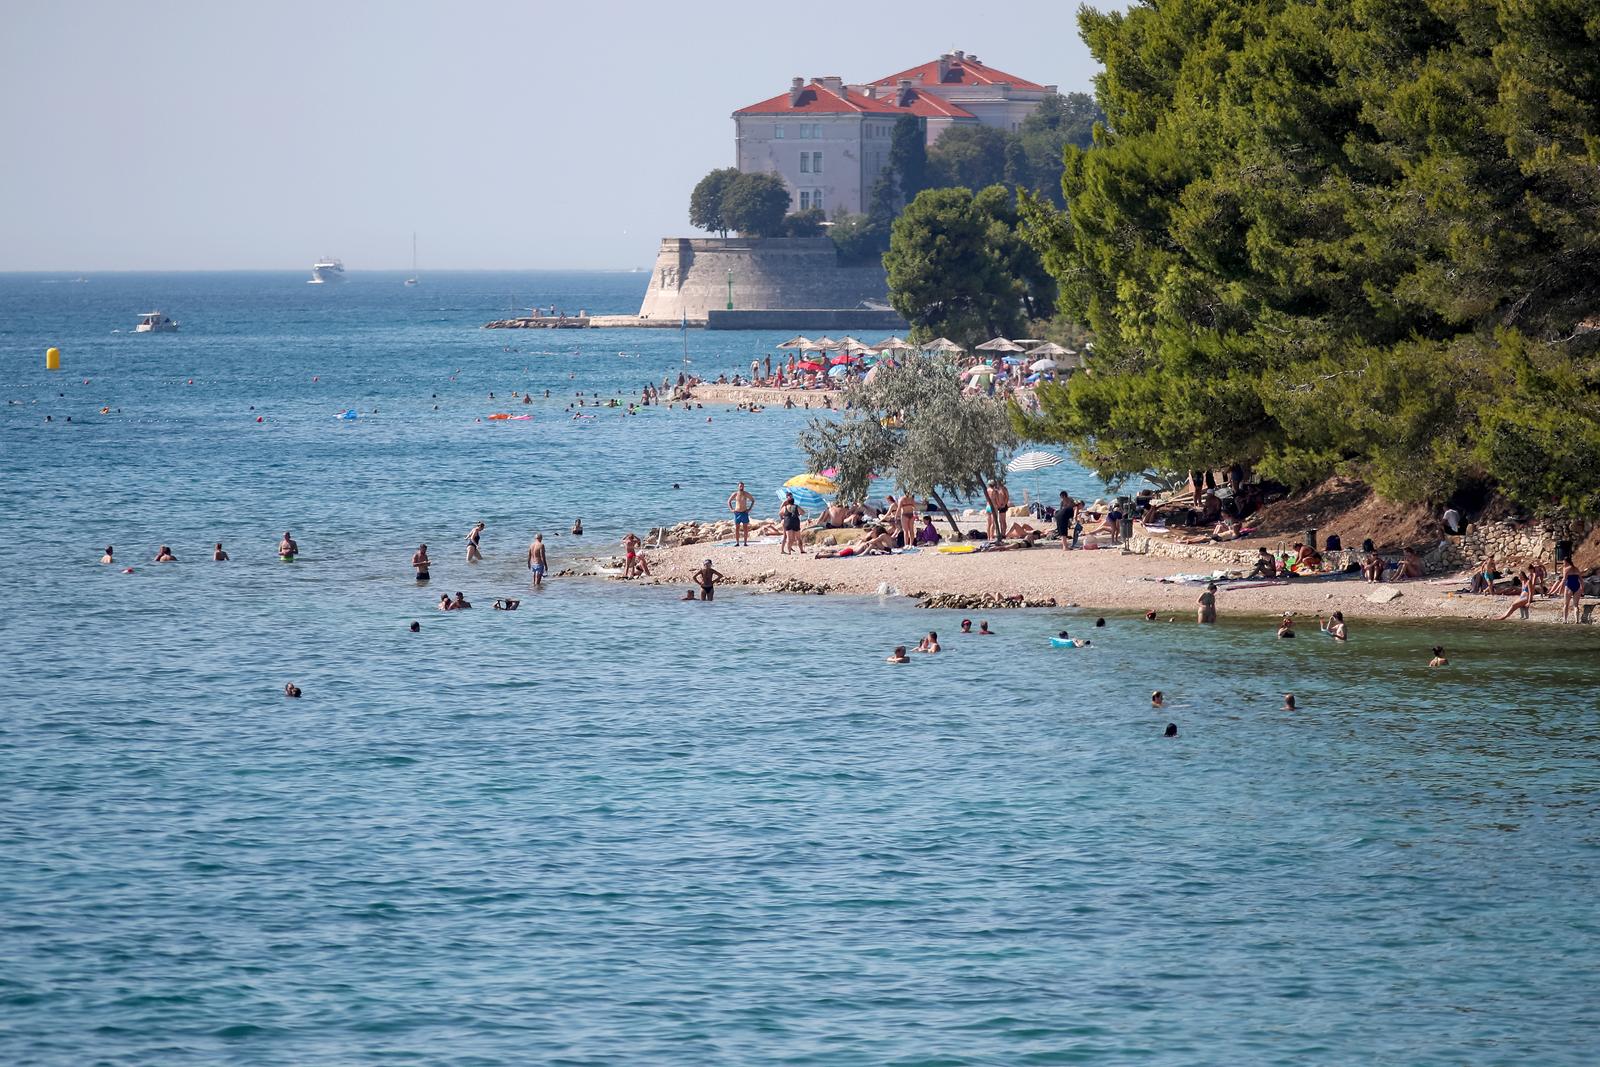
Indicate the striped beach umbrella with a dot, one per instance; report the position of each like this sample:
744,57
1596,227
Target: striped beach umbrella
812,502
1033,461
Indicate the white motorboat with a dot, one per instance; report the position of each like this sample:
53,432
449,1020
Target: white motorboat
155,322
325,270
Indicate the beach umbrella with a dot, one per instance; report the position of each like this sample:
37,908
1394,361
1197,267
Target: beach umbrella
942,344
796,342
894,344
845,357
809,365
999,344
982,370
1033,461
850,344
1012,361
871,376
839,370
1048,349
804,497
816,483
1042,364
825,344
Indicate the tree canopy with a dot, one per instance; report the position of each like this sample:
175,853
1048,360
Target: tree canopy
756,205
959,266
915,424
1338,234
705,203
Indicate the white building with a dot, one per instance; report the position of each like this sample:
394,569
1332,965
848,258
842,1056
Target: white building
830,141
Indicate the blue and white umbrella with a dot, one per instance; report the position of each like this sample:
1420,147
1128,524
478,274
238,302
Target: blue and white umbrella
1033,461
804,497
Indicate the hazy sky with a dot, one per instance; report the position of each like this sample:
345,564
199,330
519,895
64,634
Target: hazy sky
219,135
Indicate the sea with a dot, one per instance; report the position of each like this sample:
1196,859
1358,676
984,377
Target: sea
612,827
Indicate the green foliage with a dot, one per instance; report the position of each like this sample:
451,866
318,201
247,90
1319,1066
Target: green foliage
705,203
958,267
913,423
858,239
973,156
807,223
1335,235
908,158
756,205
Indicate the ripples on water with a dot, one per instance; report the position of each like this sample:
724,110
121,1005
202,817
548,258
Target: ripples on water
612,827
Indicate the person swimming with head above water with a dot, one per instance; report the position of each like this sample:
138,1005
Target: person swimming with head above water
1172,730
898,655
1334,627
1156,699
107,558
505,604
966,626
460,603
1288,702
165,555
416,627
1438,659
929,644
1286,626
291,690
983,629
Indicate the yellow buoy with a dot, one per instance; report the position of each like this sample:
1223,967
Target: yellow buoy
52,359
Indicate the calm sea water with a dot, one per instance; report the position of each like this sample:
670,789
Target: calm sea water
615,828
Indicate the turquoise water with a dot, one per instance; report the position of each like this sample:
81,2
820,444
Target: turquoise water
615,828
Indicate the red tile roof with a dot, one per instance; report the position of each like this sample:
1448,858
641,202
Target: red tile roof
962,71
818,99
926,105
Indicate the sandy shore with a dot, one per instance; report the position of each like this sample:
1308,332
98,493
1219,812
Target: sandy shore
1105,579
750,394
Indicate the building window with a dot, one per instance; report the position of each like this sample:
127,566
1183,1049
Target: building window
816,199
816,163
805,200
777,133
805,131
805,162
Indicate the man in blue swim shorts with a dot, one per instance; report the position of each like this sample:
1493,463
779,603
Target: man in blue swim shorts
536,561
740,502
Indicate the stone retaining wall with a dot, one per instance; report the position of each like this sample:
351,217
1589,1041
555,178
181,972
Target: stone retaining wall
691,276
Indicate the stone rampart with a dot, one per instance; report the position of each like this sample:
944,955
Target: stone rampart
691,277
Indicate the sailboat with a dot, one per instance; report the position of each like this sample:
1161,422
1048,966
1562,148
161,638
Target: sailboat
413,279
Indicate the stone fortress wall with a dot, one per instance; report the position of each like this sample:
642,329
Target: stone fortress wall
691,277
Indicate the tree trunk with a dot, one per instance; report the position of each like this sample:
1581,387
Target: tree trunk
951,519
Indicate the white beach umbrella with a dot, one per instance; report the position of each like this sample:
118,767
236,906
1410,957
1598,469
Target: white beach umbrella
1033,461
796,342
850,344
824,344
942,344
894,344
1042,364
999,344
1048,349
982,370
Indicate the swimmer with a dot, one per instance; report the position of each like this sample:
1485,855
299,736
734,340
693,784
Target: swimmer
444,602
1157,700
966,626
1288,702
688,594
291,690
459,603
1172,730
1099,622
577,527
1286,626
165,555
217,555
416,627
983,629
537,563
929,644
1438,659
1150,616
474,554
506,604
107,557
287,549
1334,627
419,560
898,655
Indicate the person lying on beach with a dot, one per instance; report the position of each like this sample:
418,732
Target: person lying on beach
899,655
929,644
1222,531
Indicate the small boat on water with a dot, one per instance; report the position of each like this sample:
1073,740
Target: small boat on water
326,270
413,280
155,322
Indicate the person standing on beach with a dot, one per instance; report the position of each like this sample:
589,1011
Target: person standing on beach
536,560
999,498
1064,512
740,502
1571,589
1208,605
789,520
474,553
908,519
419,560
630,557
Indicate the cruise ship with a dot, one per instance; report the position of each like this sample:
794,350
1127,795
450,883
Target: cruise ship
325,270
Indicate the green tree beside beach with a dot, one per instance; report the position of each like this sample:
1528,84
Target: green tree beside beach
1338,236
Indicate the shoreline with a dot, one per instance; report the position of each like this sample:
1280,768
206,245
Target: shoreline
815,399
1103,579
